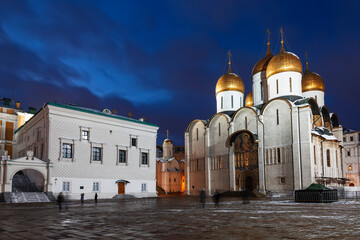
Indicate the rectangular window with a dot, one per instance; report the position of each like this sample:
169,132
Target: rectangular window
277,86
348,153
84,135
122,156
290,84
144,158
277,116
351,138
9,131
169,179
232,101
66,187
143,187
174,179
95,186
278,155
133,142
67,150
344,139
282,180
96,154
328,158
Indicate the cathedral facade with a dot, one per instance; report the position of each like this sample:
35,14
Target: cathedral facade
282,139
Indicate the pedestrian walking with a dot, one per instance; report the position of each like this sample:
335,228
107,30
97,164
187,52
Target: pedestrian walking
60,199
82,198
96,196
216,198
203,197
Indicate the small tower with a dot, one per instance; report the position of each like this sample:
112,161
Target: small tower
284,74
229,91
313,85
167,147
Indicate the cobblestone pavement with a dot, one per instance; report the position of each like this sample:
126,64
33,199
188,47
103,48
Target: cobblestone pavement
181,218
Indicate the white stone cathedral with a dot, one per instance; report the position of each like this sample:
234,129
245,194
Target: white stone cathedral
283,139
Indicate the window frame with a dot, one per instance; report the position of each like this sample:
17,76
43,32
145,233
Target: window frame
146,154
96,187
64,189
71,151
100,154
143,187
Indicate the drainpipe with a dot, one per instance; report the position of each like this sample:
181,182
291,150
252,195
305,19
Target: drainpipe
322,159
263,141
301,172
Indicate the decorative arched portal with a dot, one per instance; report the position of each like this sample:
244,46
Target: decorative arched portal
245,160
28,180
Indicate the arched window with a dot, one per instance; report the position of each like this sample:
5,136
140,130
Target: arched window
290,84
277,86
261,90
277,116
232,101
219,130
222,102
328,158
315,98
197,134
246,123
278,155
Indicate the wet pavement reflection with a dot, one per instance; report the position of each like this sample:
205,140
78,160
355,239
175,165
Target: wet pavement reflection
180,218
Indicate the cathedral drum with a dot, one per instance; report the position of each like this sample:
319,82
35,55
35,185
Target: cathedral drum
246,162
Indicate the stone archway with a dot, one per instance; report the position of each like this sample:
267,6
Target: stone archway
28,180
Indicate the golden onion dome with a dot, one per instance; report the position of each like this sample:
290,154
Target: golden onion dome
167,140
249,101
283,62
229,81
312,81
263,63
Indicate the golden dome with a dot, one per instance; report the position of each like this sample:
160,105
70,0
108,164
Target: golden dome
263,63
283,62
167,141
312,81
229,81
249,101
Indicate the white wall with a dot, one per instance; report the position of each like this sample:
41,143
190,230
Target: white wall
317,95
284,84
238,101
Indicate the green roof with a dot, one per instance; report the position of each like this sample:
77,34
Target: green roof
92,111
316,186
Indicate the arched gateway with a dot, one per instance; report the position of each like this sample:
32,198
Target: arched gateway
245,160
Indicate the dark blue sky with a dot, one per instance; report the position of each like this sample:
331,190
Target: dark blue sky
162,59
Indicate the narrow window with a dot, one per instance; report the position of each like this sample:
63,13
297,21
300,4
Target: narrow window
95,186
96,154
232,101
328,158
314,155
282,180
174,179
246,122
351,138
144,158
67,150
344,139
220,162
133,142
337,164
278,155
143,187
170,180
277,116
122,156
315,98
219,130
277,86
348,153
290,84
197,134
261,91
222,102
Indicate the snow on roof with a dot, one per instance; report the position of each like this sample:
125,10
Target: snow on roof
324,133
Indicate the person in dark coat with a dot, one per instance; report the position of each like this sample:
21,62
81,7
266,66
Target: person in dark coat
216,198
96,196
82,198
203,197
59,200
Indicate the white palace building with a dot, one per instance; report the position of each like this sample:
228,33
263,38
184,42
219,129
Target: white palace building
282,139
74,150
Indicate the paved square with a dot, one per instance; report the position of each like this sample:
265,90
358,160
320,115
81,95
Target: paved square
181,218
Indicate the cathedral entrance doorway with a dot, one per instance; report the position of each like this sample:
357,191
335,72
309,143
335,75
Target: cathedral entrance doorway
28,180
121,188
245,160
